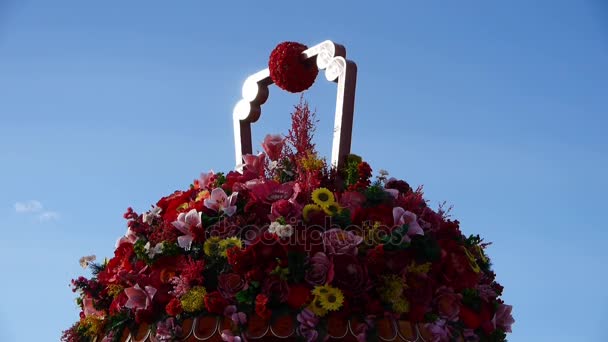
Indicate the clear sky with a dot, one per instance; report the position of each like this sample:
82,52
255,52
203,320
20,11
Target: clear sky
497,107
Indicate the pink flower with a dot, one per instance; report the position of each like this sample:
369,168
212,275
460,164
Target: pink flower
206,180
254,164
139,298
339,241
284,208
273,145
503,318
321,270
219,201
402,217
447,303
269,191
184,223
89,309
167,330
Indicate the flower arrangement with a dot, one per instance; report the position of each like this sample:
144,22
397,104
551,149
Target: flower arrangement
291,237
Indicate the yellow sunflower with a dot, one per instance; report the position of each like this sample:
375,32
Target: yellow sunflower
329,298
332,209
310,209
317,308
323,197
228,243
212,246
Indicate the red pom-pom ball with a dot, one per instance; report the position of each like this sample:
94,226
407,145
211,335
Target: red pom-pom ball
288,70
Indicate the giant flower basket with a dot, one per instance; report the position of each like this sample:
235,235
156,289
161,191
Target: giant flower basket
291,247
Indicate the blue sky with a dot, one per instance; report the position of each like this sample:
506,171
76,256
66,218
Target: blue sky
498,108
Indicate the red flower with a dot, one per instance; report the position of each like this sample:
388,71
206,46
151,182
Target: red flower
170,204
215,303
299,295
276,288
349,274
229,284
261,309
288,70
174,307
456,266
470,318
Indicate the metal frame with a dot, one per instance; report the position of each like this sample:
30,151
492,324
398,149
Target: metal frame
330,57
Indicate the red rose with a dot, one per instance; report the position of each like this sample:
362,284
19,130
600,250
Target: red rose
349,274
470,318
267,249
299,295
174,307
229,284
240,260
261,309
215,303
276,288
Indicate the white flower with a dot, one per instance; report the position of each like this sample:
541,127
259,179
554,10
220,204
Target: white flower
153,251
86,260
150,215
280,230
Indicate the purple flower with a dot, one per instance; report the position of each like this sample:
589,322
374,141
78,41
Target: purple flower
503,318
321,270
308,322
239,318
339,241
167,330
439,330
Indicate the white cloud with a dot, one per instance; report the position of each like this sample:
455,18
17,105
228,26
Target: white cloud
31,206
48,216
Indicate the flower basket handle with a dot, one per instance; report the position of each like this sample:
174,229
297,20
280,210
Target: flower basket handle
330,57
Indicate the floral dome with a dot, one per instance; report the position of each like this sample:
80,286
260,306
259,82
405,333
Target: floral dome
291,247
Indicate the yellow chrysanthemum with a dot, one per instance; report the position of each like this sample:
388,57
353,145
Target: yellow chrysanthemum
212,246
310,209
311,162
114,290
420,269
392,288
316,307
228,243
401,306
92,326
323,197
194,300
330,298
332,209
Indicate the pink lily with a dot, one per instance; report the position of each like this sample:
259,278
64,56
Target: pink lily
401,217
139,298
219,201
186,221
89,309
